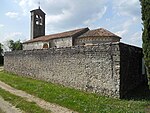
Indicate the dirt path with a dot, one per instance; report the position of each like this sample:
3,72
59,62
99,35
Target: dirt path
6,107
1,68
42,103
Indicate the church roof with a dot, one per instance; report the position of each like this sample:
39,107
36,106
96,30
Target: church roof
79,33
98,33
37,10
71,33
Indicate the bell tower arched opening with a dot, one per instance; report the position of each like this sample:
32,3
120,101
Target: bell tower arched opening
37,23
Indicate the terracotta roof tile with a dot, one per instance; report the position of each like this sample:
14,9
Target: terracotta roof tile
98,33
59,35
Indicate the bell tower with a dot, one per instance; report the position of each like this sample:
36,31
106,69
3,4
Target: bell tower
37,23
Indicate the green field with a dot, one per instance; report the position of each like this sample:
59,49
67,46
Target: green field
74,99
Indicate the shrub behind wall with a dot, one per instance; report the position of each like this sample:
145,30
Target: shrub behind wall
1,60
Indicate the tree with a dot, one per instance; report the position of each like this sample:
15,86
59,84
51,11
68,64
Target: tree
15,45
1,49
1,55
146,33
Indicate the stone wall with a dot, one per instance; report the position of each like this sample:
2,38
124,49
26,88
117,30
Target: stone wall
107,69
89,68
131,64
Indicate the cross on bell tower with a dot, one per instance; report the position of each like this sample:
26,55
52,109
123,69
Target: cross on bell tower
37,23
39,4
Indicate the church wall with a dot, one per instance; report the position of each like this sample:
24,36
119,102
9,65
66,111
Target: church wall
88,68
95,40
34,45
61,42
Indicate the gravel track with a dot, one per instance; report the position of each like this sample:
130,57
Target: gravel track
40,102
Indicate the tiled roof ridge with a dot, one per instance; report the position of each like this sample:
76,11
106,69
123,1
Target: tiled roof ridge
56,35
98,32
104,30
67,31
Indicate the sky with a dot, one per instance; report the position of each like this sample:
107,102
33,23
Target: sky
122,17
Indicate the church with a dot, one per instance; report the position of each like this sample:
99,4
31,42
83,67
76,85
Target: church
76,37
94,61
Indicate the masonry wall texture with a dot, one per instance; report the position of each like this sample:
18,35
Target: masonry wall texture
131,69
107,69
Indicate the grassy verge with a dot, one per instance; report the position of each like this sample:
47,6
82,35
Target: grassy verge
73,99
18,102
1,111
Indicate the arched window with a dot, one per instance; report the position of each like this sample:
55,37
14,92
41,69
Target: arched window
39,20
45,46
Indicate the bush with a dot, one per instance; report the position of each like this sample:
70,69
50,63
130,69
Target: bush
1,60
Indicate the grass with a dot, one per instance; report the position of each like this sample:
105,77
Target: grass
18,102
1,111
74,99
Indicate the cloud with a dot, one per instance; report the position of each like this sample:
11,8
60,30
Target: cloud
75,14
1,25
121,33
128,20
27,5
67,14
96,16
126,7
12,14
54,19
136,37
125,27
12,36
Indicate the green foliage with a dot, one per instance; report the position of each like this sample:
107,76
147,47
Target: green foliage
15,45
146,32
1,49
74,99
1,55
